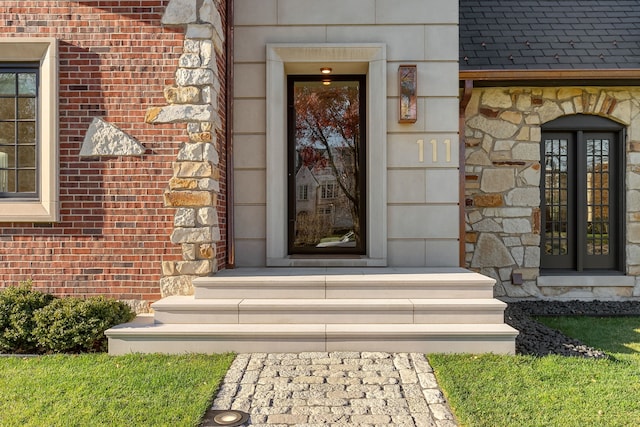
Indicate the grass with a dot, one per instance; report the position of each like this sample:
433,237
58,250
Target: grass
620,335
491,390
102,390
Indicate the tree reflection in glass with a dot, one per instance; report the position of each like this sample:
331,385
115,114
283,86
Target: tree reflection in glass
327,164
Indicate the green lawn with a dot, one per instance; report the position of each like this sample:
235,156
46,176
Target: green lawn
101,390
490,390
619,335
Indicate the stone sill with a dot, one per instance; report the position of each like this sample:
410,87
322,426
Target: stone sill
337,261
586,281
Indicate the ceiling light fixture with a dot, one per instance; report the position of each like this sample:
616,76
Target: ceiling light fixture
325,70
326,82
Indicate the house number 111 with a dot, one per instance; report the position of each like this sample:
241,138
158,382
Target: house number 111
434,150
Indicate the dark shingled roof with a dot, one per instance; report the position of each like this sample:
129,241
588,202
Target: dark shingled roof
549,34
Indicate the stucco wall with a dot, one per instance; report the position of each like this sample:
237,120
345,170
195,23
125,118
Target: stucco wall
422,196
503,135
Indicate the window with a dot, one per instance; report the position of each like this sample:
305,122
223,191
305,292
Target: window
329,190
28,129
18,140
327,138
325,210
582,189
303,192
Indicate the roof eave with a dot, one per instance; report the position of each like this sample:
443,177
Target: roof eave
618,77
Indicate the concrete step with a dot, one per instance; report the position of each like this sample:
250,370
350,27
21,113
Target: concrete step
152,337
187,309
325,309
349,283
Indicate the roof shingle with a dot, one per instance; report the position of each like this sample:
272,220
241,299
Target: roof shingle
549,34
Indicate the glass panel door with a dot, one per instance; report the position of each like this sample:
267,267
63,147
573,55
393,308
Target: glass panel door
326,164
580,202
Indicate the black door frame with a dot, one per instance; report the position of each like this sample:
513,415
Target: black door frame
361,247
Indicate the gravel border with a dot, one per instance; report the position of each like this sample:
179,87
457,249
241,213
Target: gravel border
537,339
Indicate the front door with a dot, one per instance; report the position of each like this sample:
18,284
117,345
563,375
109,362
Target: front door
326,164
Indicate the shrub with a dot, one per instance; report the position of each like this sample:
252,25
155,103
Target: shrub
17,305
75,325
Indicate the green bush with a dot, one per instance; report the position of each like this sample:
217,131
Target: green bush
17,305
73,325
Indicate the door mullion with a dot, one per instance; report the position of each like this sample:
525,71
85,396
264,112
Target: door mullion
580,200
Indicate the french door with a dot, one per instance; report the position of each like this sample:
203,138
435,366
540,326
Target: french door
581,201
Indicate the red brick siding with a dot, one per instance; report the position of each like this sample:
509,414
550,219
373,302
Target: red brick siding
221,250
115,60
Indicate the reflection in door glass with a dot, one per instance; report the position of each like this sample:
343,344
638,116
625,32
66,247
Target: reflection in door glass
597,197
555,194
326,165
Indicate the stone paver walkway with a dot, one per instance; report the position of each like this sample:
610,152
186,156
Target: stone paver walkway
338,388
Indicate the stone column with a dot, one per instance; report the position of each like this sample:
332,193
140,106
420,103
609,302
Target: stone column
195,187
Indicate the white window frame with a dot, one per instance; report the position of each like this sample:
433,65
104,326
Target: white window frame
303,192
325,210
329,190
343,58
46,208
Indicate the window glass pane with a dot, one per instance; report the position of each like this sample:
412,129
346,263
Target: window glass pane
27,156
556,196
7,133
7,156
27,181
26,133
7,180
26,108
7,108
597,197
4,176
18,131
27,84
303,192
7,84
329,190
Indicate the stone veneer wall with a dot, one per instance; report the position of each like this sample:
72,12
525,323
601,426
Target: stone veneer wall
197,187
502,189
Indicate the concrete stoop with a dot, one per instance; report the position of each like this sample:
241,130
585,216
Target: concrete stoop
447,310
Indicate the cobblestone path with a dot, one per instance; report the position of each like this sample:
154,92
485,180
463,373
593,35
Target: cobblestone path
337,388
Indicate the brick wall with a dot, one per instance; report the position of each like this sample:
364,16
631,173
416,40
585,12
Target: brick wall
221,250
114,230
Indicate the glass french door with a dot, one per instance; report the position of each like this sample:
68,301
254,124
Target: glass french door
580,201
326,164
